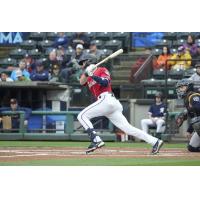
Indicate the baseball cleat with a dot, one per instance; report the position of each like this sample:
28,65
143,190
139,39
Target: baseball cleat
157,147
94,145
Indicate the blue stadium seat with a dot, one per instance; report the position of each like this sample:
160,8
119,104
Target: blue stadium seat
37,36
113,45
105,36
17,53
163,43
45,44
34,53
170,36
176,74
179,43
159,74
8,62
28,44
157,52
91,35
99,43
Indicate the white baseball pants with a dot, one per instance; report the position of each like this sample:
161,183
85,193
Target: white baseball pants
195,140
107,105
159,125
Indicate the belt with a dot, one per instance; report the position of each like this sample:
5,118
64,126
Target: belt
195,120
105,93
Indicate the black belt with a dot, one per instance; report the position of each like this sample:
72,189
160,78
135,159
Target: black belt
112,94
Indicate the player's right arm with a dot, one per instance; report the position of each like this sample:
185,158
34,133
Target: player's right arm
83,79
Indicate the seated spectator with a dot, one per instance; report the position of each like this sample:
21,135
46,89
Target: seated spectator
20,77
197,56
157,112
51,60
196,76
79,53
55,74
4,77
22,68
161,61
190,46
15,118
93,50
80,38
39,74
61,42
182,59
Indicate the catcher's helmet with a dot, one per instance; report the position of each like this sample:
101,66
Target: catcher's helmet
184,82
89,58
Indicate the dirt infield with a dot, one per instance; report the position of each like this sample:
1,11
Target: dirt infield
11,154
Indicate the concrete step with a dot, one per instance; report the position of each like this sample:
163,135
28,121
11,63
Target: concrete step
120,82
117,73
121,67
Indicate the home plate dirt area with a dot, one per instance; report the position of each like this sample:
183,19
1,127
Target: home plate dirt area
43,153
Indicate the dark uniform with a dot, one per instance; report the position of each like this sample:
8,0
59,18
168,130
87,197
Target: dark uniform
192,104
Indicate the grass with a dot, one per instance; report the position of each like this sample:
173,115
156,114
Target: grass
153,161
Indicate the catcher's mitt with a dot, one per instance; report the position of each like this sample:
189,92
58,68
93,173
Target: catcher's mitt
180,118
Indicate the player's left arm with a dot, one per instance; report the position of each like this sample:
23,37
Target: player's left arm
103,79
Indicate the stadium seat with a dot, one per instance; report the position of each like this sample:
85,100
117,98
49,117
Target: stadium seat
28,44
99,43
122,36
69,53
113,45
170,36
106,52
176,74
91,35
45,44
159,74
105,36
184,35
179,43
173,51
17,53
157,52
8,62
163,43
51,35
34,53
37,36
189,72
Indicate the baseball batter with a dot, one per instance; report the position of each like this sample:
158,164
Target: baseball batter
99,82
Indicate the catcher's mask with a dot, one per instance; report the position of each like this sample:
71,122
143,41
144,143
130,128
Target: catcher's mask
88,59
184,82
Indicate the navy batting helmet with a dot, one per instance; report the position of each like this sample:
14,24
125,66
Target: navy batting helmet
89,58
184,82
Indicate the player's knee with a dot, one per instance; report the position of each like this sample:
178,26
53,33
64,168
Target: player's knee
143,121
193,149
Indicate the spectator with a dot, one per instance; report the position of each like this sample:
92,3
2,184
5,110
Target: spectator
22,68
80,38
39,74
79,53
197,56
15,118
190,46
4,77
93,50
157,112
61,42
182,59
161,61
20,77
52,60
196,76
55,74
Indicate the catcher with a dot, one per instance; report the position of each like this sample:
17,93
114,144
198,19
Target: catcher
184,89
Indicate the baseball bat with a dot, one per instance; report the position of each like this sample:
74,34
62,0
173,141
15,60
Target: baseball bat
113,55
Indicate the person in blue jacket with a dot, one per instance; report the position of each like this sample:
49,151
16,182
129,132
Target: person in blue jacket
15,118
40,73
